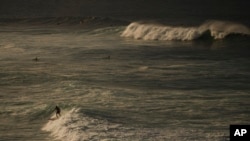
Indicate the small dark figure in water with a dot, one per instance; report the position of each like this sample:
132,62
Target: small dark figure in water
108,57
35,59
58,112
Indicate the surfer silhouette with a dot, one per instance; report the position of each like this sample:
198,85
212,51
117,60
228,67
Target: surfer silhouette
58,112
35,59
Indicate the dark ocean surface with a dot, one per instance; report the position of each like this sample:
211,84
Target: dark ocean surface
123,70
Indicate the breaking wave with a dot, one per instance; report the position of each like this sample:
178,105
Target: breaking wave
216,30
74,125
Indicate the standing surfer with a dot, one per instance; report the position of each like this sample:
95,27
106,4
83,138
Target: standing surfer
58,112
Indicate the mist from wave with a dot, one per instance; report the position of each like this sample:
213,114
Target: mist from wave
216,30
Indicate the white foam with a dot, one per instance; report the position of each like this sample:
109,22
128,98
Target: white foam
159,32
75,126
218,30
63,128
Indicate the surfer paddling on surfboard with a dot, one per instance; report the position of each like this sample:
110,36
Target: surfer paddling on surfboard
58,112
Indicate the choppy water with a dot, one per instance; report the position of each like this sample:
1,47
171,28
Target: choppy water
111,87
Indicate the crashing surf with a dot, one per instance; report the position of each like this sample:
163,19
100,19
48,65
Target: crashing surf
217,30
74,125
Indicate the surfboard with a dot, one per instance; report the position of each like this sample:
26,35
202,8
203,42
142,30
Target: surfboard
53,118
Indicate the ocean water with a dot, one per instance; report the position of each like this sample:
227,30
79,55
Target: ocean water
125,81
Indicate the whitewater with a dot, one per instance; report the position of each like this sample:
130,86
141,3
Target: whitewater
217,30
122,80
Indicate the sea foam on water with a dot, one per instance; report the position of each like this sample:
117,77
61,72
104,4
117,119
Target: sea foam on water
217,29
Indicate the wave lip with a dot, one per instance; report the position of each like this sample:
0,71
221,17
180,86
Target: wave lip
217,29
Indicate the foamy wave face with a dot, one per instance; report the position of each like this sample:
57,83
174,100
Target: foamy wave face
158,32
76,126
218,30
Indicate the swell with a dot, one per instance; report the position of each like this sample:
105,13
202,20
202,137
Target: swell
208,30
60,21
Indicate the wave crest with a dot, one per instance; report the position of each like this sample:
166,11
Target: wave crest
217,29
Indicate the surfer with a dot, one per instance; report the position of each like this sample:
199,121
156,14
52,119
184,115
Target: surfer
58,112
108,57
35,59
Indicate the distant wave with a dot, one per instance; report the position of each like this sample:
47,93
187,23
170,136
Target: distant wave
216,30
60,21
